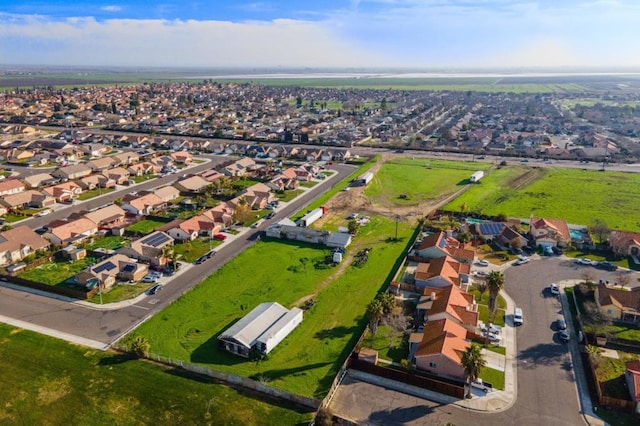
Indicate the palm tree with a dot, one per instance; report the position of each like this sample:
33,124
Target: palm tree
375,312
495,283
472,362
388,301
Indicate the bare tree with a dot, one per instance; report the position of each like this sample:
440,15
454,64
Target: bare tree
600,229
622,278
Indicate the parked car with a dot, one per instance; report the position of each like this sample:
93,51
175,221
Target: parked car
522,260
270,215
547,251
555,290
150,279
156,288
561,324
352,216
220,237
607,266
482,263
200,260
563,336
557,250
210,254
43,213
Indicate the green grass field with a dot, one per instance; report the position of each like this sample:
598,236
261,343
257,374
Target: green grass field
48,381
56,273
145,226
307,360
191,250
578,196
419,180
94,193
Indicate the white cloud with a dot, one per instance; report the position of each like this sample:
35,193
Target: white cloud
111,8
78,41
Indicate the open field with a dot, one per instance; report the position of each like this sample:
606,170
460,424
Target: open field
191,250
578,196
419,179
308,359
48,381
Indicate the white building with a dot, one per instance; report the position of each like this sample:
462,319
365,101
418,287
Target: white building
260,330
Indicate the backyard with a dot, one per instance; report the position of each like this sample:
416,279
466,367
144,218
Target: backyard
75,385
189,251
290,273
517,191
145,226
57,272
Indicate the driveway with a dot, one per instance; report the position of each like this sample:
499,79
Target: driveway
546,389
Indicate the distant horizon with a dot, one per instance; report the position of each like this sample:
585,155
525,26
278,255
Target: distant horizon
432,34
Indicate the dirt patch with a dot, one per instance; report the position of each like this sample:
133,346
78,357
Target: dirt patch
53,390
525,179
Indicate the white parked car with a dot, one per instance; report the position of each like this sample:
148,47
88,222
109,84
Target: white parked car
555,290
43,213
482,263
521,261
150,279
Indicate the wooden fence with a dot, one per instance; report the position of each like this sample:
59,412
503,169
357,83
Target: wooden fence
63,291
414,379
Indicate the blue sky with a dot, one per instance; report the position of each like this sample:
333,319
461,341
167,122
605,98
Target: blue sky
329,33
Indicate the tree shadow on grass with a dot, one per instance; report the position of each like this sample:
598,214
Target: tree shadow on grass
115,359
336,332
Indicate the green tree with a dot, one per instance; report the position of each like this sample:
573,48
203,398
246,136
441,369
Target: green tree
388,302
375,312
324,417
472,362
495,283
140,347
600,229
353,227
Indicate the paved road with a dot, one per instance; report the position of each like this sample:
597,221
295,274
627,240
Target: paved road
546,392
108,326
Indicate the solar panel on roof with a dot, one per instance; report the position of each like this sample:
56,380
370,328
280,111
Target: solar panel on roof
155,240
129,268
104,267
491,228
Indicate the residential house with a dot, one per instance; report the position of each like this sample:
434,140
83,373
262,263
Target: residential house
18,243
240,167
38,180
30,198
126,158
222,213
107,217
632,378
211,175
75,171
440,349
167,193
441,272
154,248
144,168
91,182
549,232
626,244
11,186
286,229
64,192
94,150
190,229
449,302
106,273
618,304
440,244
100,164
181,157
120,175
71,232
260,330
143,204
282,183
258,196
192,184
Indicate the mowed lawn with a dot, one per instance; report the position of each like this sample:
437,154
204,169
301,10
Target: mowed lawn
307,360
419,180
145,226
48,381
578,196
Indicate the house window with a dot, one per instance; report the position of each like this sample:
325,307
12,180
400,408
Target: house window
432,365
610,311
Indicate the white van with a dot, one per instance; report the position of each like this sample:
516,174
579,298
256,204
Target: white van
518,319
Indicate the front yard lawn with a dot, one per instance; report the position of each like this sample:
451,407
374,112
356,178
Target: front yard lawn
110,242
145,226
56,273
143,178
120,292
288,195
10,217
94,193
191,250
495,377
308,184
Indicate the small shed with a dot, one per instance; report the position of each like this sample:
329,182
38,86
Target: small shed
368,355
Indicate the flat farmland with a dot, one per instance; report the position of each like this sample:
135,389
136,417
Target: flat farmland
409,182
578,196
306,362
